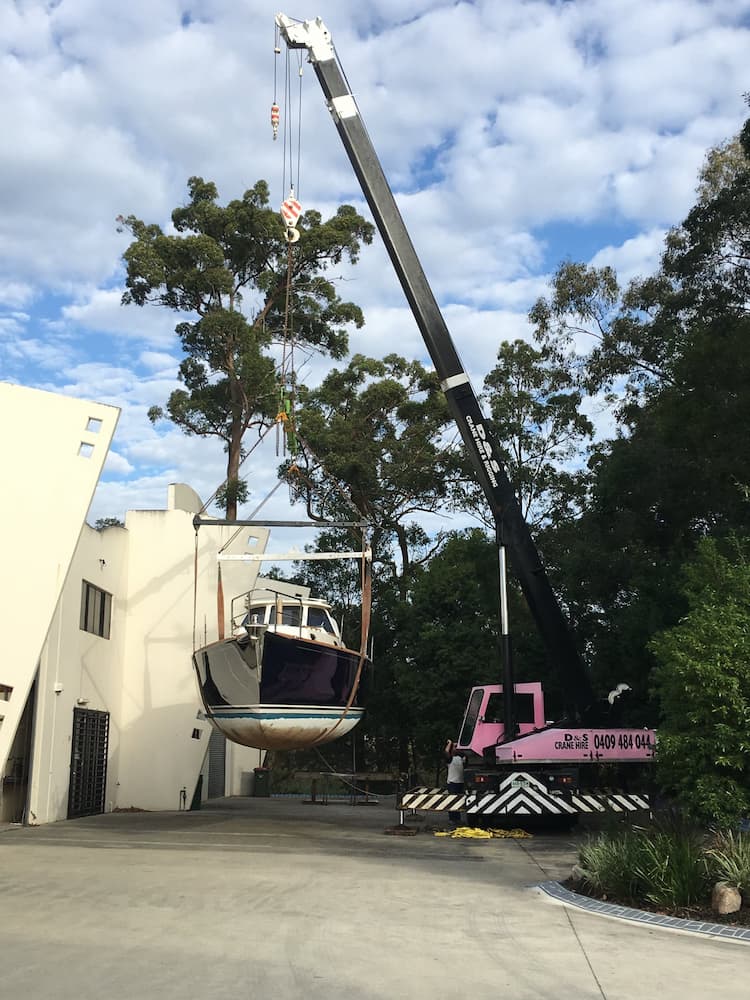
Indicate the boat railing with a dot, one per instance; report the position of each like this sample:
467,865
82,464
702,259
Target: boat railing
241,616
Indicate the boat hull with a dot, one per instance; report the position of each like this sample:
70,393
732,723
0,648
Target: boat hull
284,727
279,692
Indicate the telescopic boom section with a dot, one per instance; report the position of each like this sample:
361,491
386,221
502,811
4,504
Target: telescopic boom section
462,400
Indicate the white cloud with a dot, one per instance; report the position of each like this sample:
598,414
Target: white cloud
117,464
635,258
158,361
101,310
15,294
494,121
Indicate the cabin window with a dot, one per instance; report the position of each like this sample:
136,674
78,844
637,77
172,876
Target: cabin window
319,618
524,708
96,610
291,614
256,616
470,719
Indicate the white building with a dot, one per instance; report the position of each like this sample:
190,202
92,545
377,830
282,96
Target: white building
99,709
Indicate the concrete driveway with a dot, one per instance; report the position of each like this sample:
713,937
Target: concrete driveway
271,898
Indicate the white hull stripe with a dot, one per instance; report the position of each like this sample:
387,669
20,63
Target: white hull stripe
291,716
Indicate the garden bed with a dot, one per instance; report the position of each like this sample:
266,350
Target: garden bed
703,914
666,868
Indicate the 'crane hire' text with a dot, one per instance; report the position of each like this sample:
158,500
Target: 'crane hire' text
485,450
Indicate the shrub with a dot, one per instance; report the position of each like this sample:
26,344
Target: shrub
609,863
664,865
703,683
673,868
729,861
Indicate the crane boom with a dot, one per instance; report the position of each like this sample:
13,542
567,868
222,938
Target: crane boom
510,525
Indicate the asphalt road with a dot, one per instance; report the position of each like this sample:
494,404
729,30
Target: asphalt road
269,898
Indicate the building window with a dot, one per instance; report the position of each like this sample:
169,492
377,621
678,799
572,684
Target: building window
96,610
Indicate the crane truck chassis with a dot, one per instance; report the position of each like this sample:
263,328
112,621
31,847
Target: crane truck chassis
517,763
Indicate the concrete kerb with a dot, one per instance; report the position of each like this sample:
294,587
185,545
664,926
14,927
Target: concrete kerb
560,894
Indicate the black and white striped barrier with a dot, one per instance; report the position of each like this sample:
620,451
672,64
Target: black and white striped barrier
522,794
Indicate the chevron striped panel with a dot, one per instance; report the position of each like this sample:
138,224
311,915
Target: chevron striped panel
522,794
432,800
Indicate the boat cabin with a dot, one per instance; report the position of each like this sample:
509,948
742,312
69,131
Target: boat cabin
307,618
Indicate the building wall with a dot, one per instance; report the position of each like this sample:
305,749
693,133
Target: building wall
164,604
78,669
52,450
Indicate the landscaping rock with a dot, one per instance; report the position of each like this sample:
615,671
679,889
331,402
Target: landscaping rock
725,898
577,873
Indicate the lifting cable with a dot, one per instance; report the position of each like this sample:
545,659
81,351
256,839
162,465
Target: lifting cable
290,211
220,589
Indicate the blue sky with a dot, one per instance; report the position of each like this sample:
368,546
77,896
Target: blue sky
515,135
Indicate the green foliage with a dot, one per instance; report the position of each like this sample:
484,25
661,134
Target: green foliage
536,419
371,433
703,684
448,635
664,865
720,169
729,860
609,865
226,268
672,868
232,493
676,348
108,522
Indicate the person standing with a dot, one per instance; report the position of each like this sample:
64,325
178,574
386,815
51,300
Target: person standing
455,777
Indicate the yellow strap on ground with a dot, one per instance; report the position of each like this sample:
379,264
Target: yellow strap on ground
476,833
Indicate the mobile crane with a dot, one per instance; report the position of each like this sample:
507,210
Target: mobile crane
517,763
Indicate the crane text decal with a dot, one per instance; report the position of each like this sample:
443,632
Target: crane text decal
573,741
491,465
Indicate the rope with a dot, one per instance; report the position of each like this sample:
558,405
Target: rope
252,515
195,588
335,485
220,604
244,458
287,374
364,635
476,833
340,777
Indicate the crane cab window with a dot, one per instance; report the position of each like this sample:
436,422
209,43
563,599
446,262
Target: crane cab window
524,706
470,719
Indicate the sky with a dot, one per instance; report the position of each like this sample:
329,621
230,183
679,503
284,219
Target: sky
515,134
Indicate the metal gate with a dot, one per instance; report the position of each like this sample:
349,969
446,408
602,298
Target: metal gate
217,757
88,763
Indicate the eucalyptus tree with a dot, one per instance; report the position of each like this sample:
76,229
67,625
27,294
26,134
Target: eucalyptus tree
536,415
241,288
676,347
372,433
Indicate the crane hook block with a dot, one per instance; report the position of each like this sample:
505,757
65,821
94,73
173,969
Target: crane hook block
275,120
290,211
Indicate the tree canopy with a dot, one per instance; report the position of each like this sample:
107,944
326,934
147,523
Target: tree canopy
242,288
702,677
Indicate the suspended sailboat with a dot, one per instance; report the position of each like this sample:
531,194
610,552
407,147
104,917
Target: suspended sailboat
284,680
